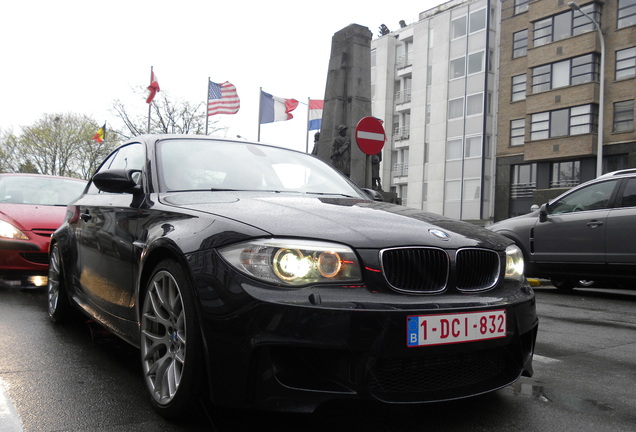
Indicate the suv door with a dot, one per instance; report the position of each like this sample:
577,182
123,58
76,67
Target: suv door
621,229
572,238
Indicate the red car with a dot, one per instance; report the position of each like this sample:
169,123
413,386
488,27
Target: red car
32,206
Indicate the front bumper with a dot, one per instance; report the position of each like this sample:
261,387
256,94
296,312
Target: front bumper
23,263
292,350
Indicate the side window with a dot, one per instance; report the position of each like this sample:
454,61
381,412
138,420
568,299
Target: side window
629,196
593,197
131,156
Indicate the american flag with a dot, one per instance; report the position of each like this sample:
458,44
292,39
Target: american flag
222,99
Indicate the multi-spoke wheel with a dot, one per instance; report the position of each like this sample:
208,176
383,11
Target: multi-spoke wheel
170,341
58,303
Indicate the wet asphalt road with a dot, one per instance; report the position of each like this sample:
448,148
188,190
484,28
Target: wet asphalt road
80,378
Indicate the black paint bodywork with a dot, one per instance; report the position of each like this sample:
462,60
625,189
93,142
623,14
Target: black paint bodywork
290,349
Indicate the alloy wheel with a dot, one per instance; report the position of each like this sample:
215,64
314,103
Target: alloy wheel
163,337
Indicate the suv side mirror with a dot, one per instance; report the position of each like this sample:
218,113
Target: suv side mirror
543,213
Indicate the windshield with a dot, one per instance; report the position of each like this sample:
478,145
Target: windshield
219,165
40,190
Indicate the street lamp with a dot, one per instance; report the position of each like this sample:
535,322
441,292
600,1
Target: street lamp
601,98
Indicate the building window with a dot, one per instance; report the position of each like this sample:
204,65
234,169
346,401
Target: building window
524,180
519,87
473,147
626,63
626,13
569,121
455,108
624,116
452,190
476,62
517,132
457,68
520,43
521,6
475,104
477,21
565,174
472,189
564,25
458,27
454,149
578,70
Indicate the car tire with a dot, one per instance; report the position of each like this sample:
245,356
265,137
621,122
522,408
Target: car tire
170,341
564,284
59,306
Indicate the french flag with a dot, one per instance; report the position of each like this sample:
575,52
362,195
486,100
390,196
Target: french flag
276,109
315,114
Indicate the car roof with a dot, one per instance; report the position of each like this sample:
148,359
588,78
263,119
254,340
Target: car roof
624,172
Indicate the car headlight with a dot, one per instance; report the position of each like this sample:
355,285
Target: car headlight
9,231
514,263
294,262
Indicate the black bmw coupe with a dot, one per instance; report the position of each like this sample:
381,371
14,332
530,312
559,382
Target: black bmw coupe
260,277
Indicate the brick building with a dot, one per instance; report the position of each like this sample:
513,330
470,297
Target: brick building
548,102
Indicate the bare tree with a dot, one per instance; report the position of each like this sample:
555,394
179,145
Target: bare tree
8,152
168,116
61,144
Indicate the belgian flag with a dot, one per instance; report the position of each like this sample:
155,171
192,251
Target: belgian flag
100,136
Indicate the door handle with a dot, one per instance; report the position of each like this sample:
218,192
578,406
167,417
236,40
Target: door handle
594,223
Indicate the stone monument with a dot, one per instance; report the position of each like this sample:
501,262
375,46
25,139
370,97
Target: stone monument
347,99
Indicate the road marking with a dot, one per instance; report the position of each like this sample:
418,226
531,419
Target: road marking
545,360
9,418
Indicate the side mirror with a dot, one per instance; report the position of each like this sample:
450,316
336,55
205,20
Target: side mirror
543,213
117,180
373,194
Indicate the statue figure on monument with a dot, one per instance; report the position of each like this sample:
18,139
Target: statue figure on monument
316,141
375,171
341,151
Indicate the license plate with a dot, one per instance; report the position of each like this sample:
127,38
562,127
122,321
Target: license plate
425,330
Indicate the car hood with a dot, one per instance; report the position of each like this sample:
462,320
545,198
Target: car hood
356,222
510,224
27,217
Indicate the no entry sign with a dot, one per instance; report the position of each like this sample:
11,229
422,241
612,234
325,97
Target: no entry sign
370,135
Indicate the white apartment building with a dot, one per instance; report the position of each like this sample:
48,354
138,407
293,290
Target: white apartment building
434,86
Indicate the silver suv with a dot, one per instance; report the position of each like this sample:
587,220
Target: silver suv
587,233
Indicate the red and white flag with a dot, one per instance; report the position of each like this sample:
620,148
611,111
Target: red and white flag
153,87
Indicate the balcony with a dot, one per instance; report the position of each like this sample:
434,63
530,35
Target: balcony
400,170
404,61
522,190
403,96
401,134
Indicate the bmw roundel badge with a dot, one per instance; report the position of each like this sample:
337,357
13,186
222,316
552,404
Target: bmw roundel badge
439,234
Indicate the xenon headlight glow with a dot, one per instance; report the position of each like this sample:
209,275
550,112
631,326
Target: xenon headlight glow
294,262
514,263
10,232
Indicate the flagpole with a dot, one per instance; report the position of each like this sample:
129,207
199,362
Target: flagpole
207,100
307,128
260,97
150,104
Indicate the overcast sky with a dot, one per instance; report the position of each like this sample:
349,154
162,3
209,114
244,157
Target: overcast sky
78,56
